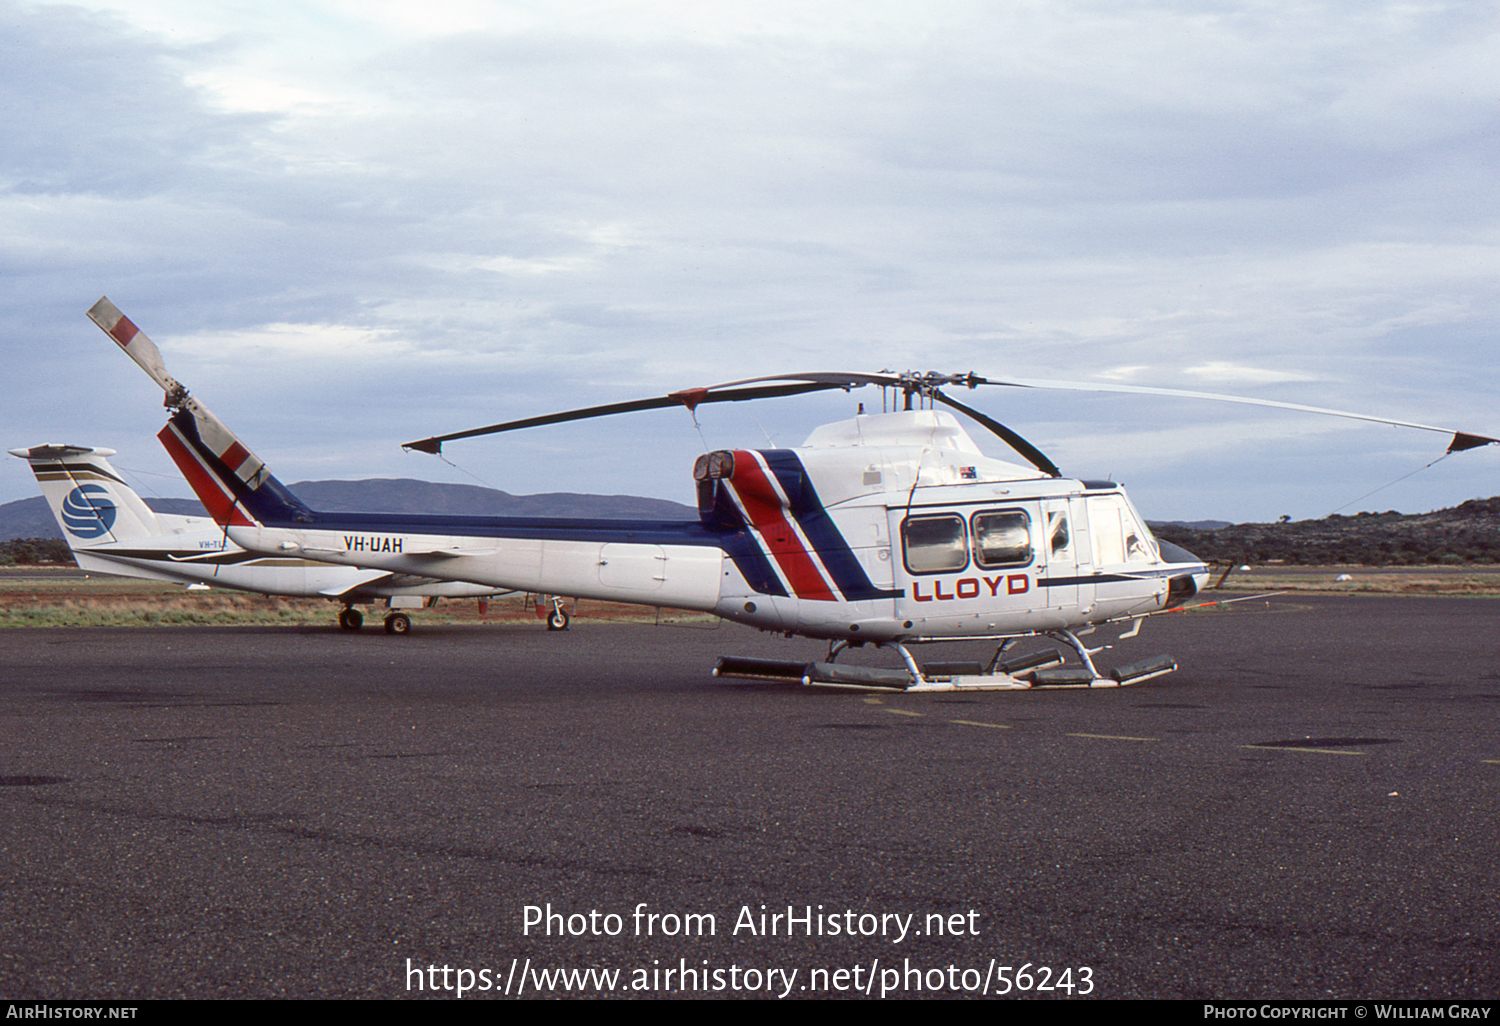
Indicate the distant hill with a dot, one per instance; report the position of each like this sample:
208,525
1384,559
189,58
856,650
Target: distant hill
30,518
1469,533
404,495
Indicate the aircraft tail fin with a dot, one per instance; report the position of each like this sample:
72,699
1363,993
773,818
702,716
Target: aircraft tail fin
92,503
231,482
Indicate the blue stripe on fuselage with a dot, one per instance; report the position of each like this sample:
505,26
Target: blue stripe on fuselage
741,545
820,530
641,532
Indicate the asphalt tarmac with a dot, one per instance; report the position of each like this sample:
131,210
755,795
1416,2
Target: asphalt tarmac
1306,809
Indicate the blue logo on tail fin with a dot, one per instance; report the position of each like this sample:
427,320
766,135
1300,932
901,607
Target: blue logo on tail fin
87,512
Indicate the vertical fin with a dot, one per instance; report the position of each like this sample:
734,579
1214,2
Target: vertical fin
234,486
90,501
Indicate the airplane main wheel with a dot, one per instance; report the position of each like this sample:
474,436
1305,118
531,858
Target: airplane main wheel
398,623
351,620
557,620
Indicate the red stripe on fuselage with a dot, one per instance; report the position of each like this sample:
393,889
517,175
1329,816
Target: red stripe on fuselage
766,512
205,484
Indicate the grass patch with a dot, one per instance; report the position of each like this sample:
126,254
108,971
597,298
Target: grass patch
1370,581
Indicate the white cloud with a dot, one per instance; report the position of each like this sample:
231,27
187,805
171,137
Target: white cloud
1228,372
309,344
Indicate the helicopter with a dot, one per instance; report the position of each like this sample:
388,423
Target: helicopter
892,529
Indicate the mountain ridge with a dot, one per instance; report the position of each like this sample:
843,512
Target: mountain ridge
1466,533
30,518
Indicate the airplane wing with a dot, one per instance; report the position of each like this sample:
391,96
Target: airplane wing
364,580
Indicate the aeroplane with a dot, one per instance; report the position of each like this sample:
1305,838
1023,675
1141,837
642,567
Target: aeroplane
111,530
890,529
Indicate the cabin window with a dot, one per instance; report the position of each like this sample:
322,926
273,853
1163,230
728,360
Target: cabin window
934,544
1002,539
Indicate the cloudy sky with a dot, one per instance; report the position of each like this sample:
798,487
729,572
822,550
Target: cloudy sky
352,224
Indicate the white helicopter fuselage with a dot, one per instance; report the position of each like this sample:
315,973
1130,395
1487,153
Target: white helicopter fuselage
887,527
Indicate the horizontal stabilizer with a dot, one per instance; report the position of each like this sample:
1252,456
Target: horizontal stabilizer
57,452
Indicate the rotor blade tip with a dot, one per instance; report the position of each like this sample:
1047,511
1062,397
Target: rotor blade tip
1462,441
426,445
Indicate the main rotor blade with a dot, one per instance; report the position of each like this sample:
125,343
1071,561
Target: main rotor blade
691,398
1461,440
832,379
926,384
1015,441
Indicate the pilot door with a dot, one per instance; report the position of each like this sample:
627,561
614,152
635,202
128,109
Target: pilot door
1068,556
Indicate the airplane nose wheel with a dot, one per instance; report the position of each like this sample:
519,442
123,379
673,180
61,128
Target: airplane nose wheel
351,619
557,620
398,623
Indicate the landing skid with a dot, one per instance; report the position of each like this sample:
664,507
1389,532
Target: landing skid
1030,672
